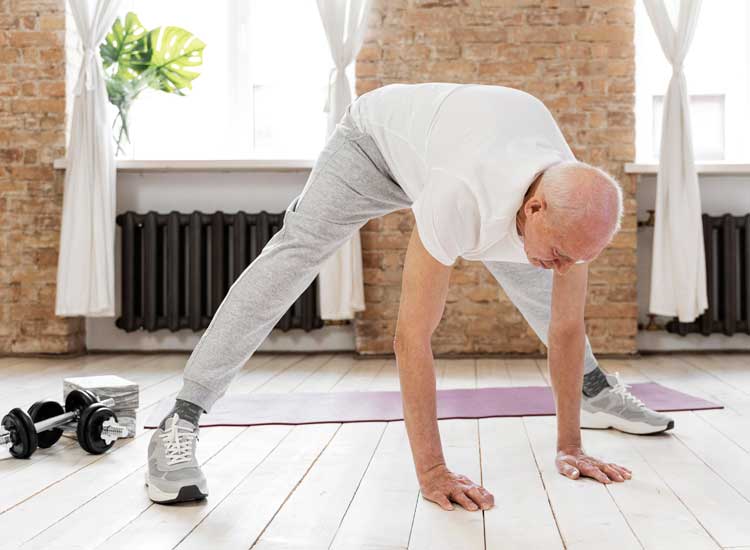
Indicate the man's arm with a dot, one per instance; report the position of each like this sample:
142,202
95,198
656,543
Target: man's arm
423,292
566,348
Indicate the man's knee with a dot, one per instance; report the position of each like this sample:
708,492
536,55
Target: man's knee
411,342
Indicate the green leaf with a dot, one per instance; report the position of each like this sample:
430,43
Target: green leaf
163,59
126,46
174,52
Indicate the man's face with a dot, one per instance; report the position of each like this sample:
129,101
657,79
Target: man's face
547,247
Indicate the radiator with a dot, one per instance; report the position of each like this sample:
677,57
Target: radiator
176,268
727,245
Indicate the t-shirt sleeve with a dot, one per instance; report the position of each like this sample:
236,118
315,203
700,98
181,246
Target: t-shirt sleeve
447,217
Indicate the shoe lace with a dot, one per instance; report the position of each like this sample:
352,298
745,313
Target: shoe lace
178,442
622,389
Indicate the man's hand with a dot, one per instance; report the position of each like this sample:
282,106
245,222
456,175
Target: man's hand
442,486
572,462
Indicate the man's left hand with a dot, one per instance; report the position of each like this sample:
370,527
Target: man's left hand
573,462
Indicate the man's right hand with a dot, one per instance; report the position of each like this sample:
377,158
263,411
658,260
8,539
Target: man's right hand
423,294
442,486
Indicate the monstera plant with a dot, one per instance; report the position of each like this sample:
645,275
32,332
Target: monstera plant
135,59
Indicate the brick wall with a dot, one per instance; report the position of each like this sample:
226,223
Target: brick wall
575,55
32,135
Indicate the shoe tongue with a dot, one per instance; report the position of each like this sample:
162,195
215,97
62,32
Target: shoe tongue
181,422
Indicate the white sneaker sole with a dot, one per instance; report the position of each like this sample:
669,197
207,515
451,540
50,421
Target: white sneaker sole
185,494
603,421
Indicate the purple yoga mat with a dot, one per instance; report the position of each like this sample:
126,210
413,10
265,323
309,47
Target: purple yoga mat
255,409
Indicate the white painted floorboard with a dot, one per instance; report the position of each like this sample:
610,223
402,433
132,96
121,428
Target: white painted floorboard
389,492
353,487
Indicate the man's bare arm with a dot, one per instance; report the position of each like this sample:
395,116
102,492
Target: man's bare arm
423,293
566,350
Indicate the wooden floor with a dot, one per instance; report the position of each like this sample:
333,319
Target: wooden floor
352,486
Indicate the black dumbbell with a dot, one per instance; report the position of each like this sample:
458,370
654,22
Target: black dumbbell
23,434
42,425
20,434
76,402
96,428
95,423
44,410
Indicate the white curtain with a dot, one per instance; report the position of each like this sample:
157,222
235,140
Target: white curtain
341,287
85,272
678,269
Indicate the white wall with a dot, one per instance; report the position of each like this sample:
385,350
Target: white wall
720,194
207,192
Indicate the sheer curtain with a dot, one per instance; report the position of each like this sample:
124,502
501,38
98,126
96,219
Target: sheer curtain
85,272
678,269
340,282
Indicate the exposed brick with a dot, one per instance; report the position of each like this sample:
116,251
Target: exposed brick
364,70
511,3
605,33
491,16
370,52
9,55
620,119
9,22
543,34
29,38
52,23
52,89
507,69
32,134
488,35
53,55
443,3
575,55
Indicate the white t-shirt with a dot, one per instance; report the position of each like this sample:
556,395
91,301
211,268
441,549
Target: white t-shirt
465,154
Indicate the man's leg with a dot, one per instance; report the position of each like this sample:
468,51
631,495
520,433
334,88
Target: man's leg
530,289
606,402
349,185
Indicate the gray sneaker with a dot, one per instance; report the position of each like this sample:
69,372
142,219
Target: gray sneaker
615,407
173,472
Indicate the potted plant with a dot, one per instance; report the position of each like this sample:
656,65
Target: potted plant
166,59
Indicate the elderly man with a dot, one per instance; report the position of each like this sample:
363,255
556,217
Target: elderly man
489,177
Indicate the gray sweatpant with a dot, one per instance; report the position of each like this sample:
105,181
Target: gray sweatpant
349,185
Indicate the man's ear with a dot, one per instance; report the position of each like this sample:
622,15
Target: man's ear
534,205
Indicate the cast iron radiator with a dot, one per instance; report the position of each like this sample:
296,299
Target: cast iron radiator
727,245
176,268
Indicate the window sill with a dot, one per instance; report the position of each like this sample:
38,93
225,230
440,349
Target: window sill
240,165
703,168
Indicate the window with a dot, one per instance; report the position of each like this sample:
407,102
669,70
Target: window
717,69
708,120
262,87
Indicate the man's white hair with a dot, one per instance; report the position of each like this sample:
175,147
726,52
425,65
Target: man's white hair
575,191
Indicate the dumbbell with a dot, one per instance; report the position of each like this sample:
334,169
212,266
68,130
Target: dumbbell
94,422
96,426
76,402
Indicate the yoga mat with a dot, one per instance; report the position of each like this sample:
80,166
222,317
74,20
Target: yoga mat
255,409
